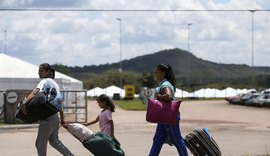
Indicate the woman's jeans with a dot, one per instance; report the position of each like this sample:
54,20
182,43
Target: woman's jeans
173,131
48,131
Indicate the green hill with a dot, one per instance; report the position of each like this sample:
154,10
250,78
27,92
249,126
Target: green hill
189,70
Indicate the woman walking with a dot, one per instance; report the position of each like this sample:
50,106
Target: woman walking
48,128
164,74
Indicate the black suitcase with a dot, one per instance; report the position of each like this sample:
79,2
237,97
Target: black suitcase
38,109
103,145
201,143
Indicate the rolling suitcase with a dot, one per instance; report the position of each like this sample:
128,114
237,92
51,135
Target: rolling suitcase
103,145
201,143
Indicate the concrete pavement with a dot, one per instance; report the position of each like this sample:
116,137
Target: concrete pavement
238,130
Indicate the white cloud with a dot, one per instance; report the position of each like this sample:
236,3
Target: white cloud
92,37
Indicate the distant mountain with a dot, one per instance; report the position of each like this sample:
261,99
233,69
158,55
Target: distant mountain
188,68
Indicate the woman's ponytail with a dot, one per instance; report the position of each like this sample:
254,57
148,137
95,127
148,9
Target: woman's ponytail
169,75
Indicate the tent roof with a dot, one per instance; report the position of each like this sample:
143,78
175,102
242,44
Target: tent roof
95,91
11,67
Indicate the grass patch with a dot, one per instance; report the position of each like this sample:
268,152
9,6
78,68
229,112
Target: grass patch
135,104
6,124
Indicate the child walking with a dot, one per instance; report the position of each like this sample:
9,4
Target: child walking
105,116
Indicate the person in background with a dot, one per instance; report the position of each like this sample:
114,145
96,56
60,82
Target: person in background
104,118
164,74
48,128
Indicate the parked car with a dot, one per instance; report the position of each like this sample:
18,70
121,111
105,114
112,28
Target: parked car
237,99
267,104
263,101
251,99
254,99
231,98
247,97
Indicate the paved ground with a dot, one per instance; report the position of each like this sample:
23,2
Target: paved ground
238,130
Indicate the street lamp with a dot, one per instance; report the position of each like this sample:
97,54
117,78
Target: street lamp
189,24
5,42
252,37
120,44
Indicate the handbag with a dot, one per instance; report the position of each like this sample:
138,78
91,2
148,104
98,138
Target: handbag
41,106
163,112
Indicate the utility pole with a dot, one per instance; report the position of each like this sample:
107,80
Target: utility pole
5,42
189,68
120,44
252,37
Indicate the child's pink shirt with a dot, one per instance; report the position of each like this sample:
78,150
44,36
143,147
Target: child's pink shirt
104,121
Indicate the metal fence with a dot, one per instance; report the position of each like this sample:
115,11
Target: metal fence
2,105
74,104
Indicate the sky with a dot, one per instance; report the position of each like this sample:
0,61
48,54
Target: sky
89,33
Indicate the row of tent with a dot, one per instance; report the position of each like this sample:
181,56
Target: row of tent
201,93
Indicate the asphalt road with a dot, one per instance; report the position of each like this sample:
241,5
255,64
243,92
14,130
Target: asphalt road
238,130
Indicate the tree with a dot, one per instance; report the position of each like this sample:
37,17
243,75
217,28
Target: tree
147,79
62,69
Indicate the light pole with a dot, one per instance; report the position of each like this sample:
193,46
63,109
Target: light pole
5,41
189,24
252,37
120,44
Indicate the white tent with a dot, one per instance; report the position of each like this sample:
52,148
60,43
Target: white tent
19,74
200,93
241,91
95,92
220,93
109,91
207,93
230,92
179,93
216,93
